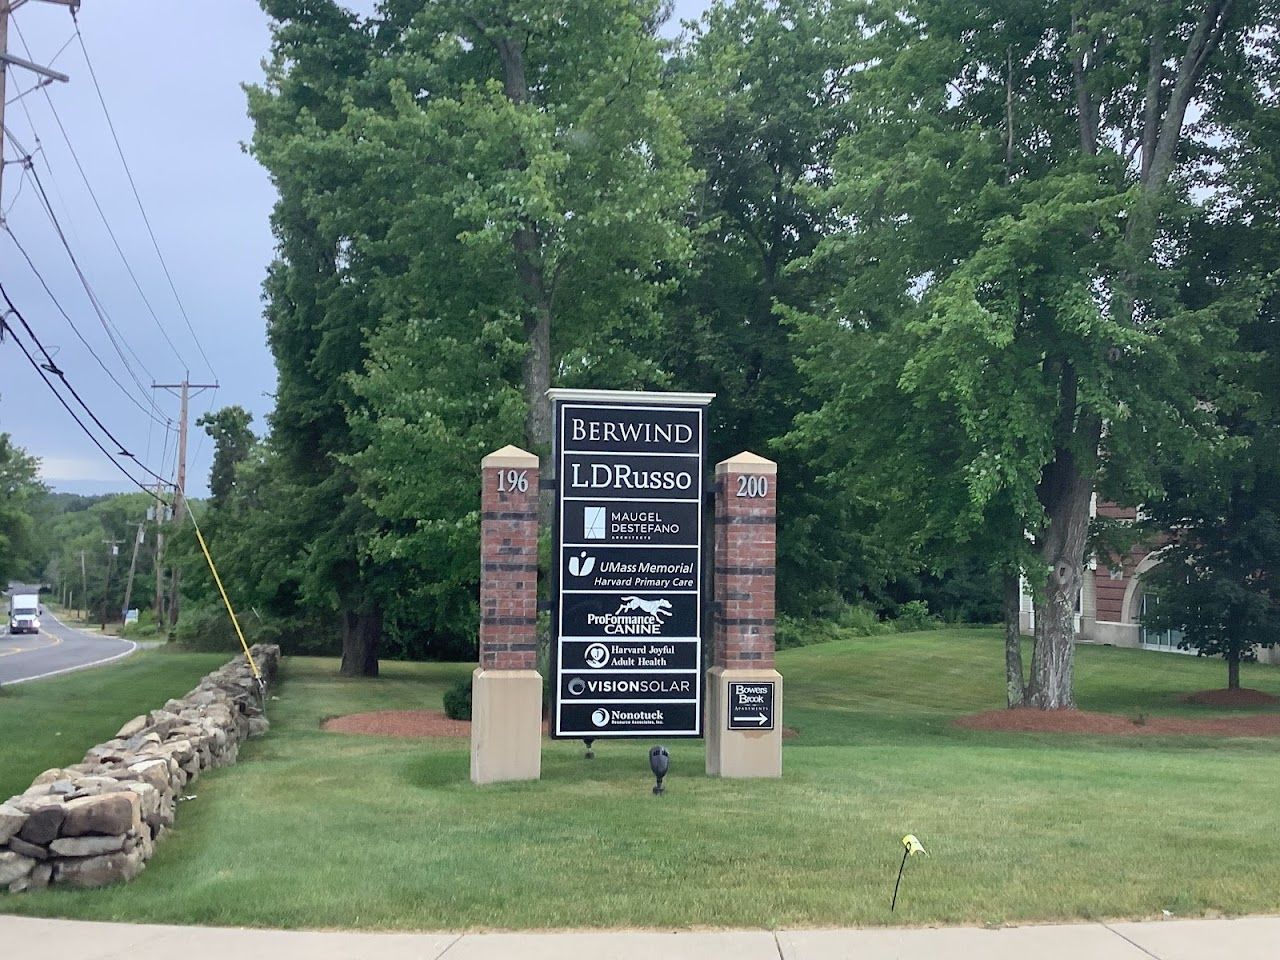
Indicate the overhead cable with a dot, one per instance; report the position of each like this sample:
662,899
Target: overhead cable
66,138
52,367
164,422
113,334
137,197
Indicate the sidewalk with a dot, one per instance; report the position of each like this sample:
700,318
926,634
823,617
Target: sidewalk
1250,938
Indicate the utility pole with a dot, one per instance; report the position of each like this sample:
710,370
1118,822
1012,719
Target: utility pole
133,565
186,390
7,60
106,587
160,508
84,588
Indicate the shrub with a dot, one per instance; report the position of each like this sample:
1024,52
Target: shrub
915,615
861,621
457,700
207,628
795,632
145,628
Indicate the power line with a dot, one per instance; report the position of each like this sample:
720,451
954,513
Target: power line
53,368
97,205
166,423
35,365
22,182
136,196
113,333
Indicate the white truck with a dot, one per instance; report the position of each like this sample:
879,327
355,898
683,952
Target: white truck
24,613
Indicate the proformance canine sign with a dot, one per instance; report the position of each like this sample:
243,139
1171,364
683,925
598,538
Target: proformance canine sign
627,592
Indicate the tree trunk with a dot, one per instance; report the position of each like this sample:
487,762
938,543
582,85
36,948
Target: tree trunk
1065,492
1233,673
536,374
361,633
535,293
1015,686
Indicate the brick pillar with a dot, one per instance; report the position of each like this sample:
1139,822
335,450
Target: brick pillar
506,689
743,688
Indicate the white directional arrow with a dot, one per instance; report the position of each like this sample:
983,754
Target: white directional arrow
761,719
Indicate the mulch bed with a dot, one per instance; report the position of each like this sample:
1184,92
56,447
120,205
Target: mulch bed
1026,720
416,723
1243,697
399,723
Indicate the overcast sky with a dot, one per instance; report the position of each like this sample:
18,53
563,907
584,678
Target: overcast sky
171,75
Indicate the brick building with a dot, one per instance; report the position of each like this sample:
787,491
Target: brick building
1113,598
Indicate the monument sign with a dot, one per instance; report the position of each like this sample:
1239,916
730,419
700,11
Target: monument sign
627,589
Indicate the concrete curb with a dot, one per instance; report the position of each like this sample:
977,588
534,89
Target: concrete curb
1247,938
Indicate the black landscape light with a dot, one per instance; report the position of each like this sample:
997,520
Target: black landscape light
659,763
587,742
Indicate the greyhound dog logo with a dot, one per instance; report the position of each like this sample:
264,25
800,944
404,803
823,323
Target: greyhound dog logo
582,565
654,608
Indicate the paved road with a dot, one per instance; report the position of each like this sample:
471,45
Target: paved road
56,649
1249,938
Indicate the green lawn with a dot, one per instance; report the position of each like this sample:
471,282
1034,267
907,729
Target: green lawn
323,830
53,722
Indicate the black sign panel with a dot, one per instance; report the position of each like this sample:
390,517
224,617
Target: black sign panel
629,487
590,523
603,685
751,705
616,615
620,476
632,653
629,571
616,428
600,720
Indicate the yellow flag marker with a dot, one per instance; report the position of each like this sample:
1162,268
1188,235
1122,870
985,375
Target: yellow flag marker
911,846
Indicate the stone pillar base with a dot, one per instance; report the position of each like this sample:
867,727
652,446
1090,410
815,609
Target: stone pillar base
506,725
741,754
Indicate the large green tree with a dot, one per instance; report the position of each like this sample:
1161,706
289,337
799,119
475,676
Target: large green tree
1010,338
20,490
316,319
536,246
1219,513
477,200
763,93
90,543
1219,579
233,442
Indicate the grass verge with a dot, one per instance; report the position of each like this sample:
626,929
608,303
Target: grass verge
315,829
53,722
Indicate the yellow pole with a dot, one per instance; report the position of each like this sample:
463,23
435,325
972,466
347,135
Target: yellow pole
225,599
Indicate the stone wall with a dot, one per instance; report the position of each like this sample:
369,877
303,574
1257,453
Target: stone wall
96,822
